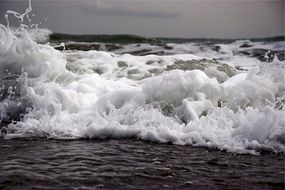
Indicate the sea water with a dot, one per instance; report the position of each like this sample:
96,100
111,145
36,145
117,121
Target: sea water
189,96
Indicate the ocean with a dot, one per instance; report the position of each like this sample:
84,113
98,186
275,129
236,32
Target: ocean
128,112
132,164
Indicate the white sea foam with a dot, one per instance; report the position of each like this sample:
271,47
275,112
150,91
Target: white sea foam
235,53
40,35
95,94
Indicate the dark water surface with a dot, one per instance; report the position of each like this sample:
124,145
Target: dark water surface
131,164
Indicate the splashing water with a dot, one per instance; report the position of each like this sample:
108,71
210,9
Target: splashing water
96,94
35,33
20,16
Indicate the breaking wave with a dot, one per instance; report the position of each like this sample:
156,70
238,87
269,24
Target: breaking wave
182,98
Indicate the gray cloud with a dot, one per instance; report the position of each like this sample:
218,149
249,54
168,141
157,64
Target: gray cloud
124,9
160,18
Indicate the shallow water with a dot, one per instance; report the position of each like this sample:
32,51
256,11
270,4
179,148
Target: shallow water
132,164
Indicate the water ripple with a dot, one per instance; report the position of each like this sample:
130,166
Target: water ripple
131,164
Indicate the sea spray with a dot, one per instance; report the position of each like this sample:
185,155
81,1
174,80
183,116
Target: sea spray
25,25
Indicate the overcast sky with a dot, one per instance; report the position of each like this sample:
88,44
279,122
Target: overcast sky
157,18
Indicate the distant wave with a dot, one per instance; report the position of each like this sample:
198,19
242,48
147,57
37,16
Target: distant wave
128,38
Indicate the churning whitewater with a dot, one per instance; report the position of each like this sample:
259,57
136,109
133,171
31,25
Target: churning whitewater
185,99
